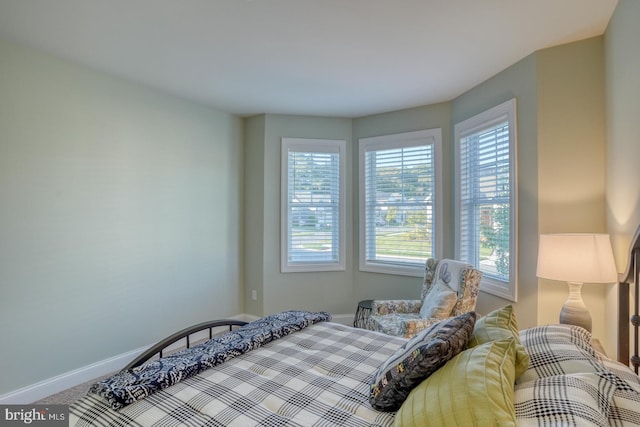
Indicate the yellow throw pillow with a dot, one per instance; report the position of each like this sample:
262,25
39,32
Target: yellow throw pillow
501,324
475,388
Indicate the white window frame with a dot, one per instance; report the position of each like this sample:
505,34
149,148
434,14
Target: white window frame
406,139
476,124
312,146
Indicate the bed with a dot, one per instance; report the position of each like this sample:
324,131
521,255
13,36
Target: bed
298,368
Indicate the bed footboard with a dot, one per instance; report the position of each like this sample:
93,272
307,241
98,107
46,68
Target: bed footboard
160,347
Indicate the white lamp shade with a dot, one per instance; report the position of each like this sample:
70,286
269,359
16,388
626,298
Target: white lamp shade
581,258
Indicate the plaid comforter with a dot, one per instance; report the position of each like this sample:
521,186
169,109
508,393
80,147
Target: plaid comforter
569,383
127,387
318,376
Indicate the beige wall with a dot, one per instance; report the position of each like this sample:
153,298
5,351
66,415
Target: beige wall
622,62
571,161
119,216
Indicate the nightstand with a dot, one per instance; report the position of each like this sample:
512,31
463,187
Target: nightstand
362,314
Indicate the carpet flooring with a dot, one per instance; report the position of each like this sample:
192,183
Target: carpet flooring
70,395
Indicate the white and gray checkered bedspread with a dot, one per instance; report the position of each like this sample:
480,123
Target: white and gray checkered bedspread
569,383
318,376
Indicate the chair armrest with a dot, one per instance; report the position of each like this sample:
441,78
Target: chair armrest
395,306
414,326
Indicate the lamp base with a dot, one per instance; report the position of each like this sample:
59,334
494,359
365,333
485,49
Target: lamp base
574,312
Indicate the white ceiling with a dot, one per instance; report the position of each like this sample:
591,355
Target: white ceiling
344,58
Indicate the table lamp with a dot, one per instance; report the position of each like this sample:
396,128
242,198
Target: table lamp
576,258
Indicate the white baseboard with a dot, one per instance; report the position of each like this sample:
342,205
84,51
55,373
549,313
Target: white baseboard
343,319
42,389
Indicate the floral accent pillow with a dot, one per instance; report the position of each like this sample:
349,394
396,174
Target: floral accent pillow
439,302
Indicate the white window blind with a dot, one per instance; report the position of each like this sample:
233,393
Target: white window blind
398,207
486,195
313,205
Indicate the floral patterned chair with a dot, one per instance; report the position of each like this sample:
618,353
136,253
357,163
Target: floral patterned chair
450,288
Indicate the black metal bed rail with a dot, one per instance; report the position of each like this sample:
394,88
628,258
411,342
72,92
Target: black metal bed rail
635,317
185,333
631,275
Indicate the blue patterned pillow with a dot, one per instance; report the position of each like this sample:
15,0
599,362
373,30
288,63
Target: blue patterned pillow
421,356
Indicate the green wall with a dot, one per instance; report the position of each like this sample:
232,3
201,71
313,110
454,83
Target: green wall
329,291
560,117
127,213
119,216
337,292
384,286
254,193
517,81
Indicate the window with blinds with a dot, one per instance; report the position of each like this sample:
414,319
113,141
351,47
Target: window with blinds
486,197
398,201
313,205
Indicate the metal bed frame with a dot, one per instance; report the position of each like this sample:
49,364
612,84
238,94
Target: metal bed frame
160,347
626,337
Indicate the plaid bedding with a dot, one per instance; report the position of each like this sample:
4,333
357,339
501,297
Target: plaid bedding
625,407
318,376
569,383
126,387
321,375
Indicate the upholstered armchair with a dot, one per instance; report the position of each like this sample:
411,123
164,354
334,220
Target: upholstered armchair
450,288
